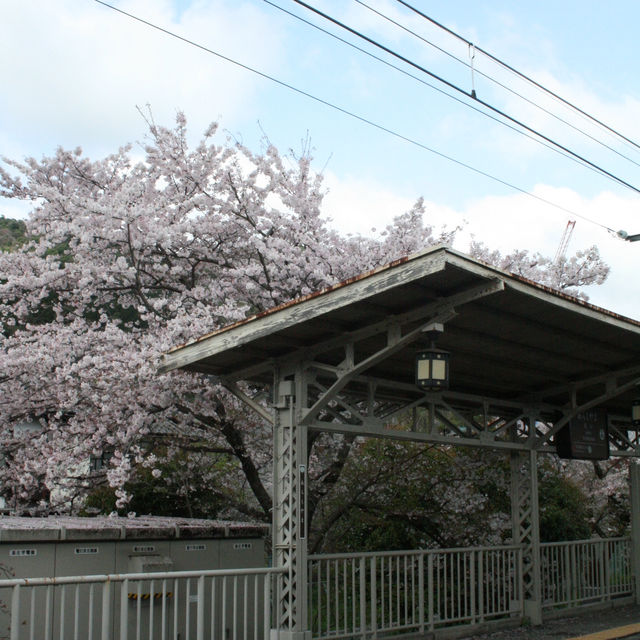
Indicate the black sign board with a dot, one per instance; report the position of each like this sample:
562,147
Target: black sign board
586,437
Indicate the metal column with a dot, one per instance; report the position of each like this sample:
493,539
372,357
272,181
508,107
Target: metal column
526,528
289,509
634,490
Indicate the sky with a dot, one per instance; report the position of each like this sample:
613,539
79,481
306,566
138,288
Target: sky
76,73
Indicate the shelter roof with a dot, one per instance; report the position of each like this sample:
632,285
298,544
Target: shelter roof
515,339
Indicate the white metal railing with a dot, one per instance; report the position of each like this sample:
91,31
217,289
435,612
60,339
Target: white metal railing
350,595
362,595
234,604
586,571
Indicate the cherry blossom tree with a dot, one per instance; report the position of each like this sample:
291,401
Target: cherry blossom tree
569,275
127,258
606,483
397,495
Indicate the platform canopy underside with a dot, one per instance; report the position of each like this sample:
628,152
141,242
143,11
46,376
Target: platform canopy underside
518,350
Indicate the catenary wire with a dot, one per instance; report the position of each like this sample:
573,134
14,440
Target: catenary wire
519,74
497,82
472,96
429,84
355,116
534,138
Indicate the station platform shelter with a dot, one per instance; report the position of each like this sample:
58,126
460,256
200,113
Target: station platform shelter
503,363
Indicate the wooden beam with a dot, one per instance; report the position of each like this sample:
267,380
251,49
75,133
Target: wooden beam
540,292
442,311
576,385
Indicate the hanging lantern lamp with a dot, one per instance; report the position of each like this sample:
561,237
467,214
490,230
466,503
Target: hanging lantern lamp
432,366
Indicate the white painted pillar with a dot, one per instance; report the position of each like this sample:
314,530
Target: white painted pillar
525,516
290,509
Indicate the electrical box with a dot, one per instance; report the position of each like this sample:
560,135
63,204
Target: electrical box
66,546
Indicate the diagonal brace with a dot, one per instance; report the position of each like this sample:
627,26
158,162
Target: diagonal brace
250,402
350,373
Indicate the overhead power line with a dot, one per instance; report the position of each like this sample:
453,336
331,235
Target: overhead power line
355,116
472,96
424,82
519,95
507,66
534,138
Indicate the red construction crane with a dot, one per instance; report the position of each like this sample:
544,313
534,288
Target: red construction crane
564,242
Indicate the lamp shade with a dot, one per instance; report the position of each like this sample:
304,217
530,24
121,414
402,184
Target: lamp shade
432,369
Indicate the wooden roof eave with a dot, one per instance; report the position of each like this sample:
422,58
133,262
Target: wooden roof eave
335,298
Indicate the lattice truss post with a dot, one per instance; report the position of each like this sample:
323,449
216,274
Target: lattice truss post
289,509
526,528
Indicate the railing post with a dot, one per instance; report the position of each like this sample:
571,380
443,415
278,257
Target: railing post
106,610
607,571
603,576
15,612
634,490
151,603
374,598
48,625
266,605
124,610
481,587
473,586
521,578
62,609
574,576
421,591
363,597
430,593
566,574
200,610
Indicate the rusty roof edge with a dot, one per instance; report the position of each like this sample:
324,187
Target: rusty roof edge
508,275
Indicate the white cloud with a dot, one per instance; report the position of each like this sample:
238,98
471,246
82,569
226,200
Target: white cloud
84,68
510,222
78,70
359,206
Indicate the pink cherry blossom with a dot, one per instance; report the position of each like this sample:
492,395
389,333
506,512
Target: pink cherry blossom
128,258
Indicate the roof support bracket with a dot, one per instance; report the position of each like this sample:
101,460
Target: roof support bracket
441,311
346,374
